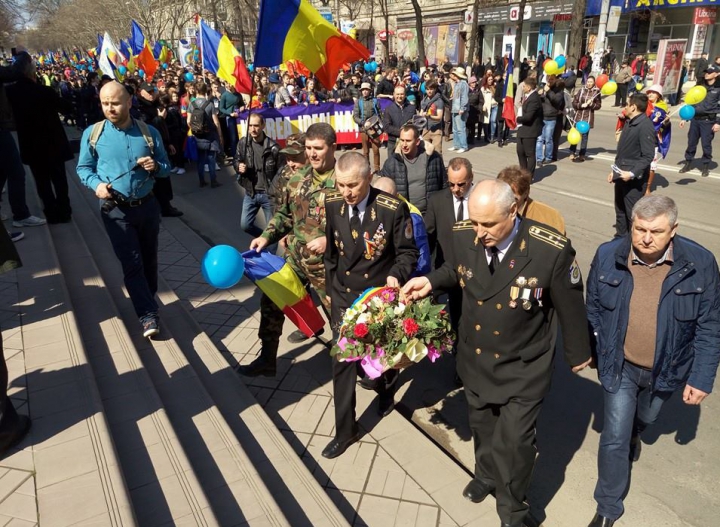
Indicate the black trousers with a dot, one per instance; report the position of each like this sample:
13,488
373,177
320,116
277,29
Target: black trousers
52,188
162,188
557,133
526,153
627,195
504,440
700,131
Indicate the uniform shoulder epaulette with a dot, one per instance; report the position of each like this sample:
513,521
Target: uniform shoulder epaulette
462,225
548,236
333,196
387,201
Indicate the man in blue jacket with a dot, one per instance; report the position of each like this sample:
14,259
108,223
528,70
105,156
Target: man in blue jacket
653,303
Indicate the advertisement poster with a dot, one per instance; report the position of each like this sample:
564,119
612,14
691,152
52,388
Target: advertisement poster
431,39
451,44
508,42
442,41
297,119
406,43
668,67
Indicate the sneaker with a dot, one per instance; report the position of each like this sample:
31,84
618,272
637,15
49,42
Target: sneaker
461,150
180,171
174,170
30,221
451,149
207,168
150,326
16,236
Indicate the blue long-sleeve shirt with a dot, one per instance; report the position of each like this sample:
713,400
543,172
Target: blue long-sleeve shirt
117,152
460,98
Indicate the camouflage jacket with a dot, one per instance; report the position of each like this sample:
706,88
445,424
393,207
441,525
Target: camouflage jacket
278,185
301,214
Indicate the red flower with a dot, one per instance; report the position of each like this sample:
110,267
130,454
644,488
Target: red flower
361,330
410,326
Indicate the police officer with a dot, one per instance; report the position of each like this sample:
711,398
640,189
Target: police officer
300,217
515,274
705,123
118,160
351,266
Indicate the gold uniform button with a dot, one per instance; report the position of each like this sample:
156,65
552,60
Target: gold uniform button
497,355
347,289
478,351
480,302
498,306
496,333
366,275
347,273
478,327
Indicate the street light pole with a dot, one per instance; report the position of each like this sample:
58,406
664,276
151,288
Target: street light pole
602,31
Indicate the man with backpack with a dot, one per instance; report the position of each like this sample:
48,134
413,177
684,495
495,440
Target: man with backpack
367,107
119,159
204,125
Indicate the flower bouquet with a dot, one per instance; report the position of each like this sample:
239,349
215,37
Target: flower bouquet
385,330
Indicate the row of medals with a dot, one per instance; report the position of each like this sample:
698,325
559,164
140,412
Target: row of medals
520,292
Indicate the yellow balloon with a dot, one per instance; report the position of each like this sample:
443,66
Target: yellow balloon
551,67
639,86
695,94
574,136
609,88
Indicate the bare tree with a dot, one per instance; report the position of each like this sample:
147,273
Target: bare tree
574,51
419,31
385,10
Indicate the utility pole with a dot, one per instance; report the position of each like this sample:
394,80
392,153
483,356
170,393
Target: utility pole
602,31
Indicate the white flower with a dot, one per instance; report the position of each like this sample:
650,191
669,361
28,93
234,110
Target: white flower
363,318
377,302
399,309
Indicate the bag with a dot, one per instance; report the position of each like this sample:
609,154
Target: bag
200,120
97,130
618,133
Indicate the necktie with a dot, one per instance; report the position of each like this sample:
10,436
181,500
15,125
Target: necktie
494,259
355,223
460,211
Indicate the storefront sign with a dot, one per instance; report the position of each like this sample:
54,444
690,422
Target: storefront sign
668,67
705,16
594,7
537,11
614,19
700,32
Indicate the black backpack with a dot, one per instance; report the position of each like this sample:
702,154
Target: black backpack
199,120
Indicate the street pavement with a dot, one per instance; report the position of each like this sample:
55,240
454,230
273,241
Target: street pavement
673,483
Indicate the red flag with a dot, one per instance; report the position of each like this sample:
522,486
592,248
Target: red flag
147,62
243,83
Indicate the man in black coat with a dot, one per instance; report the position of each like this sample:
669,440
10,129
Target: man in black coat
397,115
516,275
531,119
351,266
41,137
635,152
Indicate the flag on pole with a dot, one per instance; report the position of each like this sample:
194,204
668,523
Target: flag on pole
100,42
137,39
220,57
185,52
278,281
157,49
509,97
146,62
293,29
109,57
126,49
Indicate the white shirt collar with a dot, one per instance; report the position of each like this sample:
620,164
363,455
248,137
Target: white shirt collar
504,245
361,207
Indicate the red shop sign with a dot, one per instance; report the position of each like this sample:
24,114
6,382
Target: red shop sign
705,16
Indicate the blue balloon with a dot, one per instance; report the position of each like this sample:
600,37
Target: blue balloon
251,67
90,68
141,74
583,127
560,59
367,68
189,77
687,112
122,70
164,66
222,266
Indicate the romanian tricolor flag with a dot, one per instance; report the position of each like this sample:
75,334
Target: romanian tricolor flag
279,282
220,57
294,30
509,98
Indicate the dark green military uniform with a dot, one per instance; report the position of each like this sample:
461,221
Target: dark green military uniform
505,354
300,215
353,267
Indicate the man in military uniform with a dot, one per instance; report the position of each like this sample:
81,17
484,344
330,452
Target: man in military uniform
300,217
515,275
351,266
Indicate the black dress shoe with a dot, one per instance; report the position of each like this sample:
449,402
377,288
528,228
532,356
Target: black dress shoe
476,491
203,184
601,521
172,212
385,407
297,336
215,184
366,383
685,168
705,171
635,448
337,448
11,438
260,366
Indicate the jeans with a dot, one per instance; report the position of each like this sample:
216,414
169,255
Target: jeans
459,130
133,232
583,145
250,208
546,139
630,410
12,172
209,158
232,135
493,123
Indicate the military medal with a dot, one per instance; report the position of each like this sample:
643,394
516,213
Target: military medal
538,295
514,294
527,305
462,283
525,297
532,282
521,281
512,264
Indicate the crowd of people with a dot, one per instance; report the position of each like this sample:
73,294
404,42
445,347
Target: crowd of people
502,258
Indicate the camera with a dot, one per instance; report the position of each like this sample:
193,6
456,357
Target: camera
112,202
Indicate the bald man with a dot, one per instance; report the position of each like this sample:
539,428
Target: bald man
119,159
515,274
